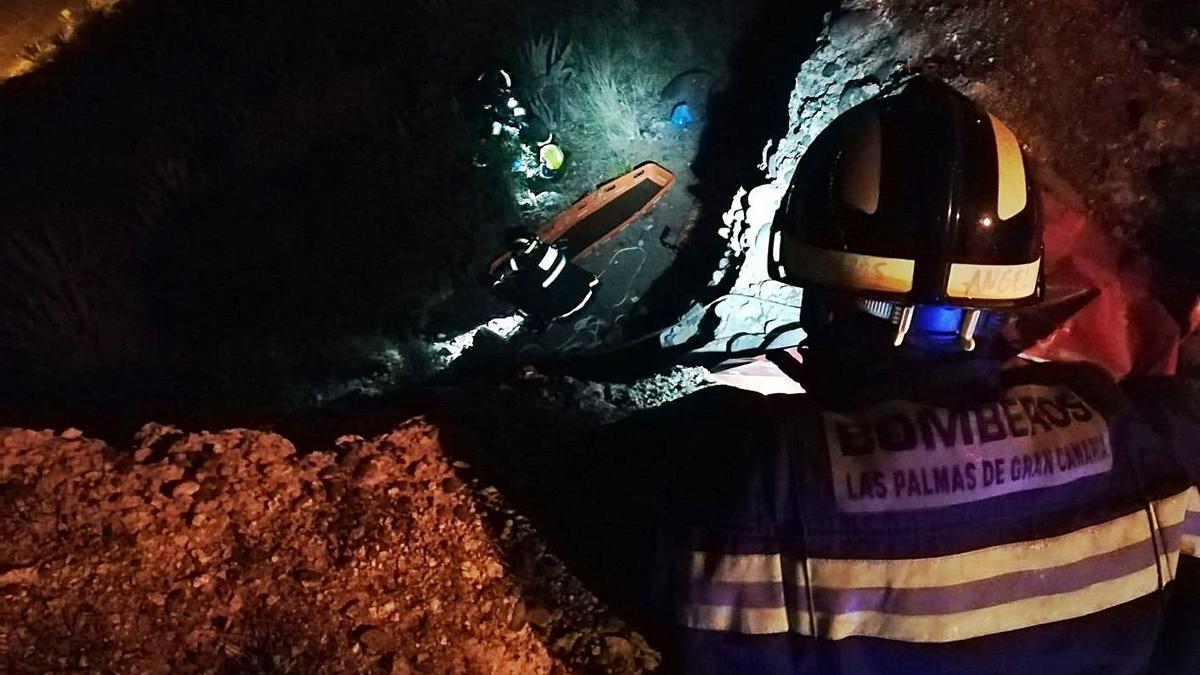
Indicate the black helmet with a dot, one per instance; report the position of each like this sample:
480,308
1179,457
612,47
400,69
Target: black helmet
494,88
495,79
519,238
919,198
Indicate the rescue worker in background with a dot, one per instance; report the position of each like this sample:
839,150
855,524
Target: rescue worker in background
541,281
923,509
510,123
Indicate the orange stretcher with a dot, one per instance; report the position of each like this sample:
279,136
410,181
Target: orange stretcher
600,215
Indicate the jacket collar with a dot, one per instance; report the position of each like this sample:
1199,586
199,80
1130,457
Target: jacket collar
848,381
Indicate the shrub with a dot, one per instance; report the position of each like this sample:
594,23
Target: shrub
63,306
607,100
547,66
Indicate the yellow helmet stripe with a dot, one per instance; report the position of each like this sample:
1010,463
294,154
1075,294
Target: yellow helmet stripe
993,282
850,270
860,167
1010,170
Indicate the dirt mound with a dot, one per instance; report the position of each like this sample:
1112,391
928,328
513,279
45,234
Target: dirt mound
229,552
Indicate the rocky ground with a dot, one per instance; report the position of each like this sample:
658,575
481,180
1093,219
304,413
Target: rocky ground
231,553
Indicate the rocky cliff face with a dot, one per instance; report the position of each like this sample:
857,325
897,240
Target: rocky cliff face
856,55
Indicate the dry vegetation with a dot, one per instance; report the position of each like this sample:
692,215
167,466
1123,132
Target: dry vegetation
306,189
245,221
619,61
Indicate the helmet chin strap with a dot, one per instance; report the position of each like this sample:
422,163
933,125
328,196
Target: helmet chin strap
966,331
905,323
902,317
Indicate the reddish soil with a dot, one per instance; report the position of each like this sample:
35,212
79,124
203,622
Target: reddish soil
231,553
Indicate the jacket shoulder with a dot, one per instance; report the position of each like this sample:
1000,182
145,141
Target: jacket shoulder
719,410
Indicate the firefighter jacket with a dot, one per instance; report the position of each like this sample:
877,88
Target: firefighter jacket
546,284
1041,519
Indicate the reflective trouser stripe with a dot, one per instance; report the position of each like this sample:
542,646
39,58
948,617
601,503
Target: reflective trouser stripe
579,306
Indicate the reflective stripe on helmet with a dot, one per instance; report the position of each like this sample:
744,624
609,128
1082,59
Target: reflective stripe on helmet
1010,171
993,282
852,271
860,166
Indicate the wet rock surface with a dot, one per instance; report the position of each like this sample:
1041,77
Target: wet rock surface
231,552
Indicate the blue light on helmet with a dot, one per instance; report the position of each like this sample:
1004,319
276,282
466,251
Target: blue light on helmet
937,319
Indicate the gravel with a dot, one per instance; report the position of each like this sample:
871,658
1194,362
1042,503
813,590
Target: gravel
231,553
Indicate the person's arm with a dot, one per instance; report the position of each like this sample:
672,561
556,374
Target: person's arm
504,282
1168,409
656,473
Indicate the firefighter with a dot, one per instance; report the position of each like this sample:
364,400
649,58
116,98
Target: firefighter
538,144
509,123
927,506
542,281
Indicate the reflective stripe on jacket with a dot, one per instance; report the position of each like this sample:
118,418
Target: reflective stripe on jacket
1051,526
545,283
